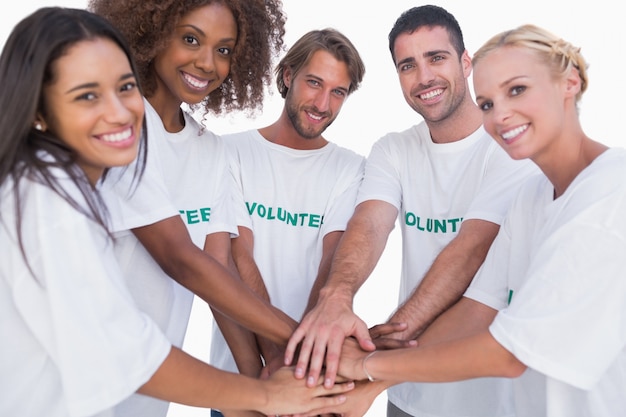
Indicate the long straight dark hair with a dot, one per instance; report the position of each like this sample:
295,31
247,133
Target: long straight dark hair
25,68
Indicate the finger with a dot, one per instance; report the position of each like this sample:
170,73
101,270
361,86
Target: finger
362,334
387,329
303,358
385,343
326,405
333,353
316,361
292,344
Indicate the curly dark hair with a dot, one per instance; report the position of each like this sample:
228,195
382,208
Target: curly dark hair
149,24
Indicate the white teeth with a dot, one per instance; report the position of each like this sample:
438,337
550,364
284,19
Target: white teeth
431,94
313,116
195,82
514,132
118,137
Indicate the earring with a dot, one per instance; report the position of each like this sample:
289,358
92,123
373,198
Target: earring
39,126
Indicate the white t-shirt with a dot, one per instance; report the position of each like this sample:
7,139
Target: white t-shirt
435,187
561,264
290,199
186,174
73,341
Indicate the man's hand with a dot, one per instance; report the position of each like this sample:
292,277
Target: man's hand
388,336
322,333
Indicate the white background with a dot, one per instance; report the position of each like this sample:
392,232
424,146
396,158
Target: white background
378,106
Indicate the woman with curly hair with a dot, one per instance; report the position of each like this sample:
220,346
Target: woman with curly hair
173,232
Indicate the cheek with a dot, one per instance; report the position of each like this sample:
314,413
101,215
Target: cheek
223,68
489,125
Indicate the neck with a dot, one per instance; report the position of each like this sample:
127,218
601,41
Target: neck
282,132
463,122
169,111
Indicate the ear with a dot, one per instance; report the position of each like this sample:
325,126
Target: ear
287,76
40,124
572,83
466,63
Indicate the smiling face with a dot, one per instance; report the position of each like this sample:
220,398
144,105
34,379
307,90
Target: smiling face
432,79
316,93
197,58
94,105
522,103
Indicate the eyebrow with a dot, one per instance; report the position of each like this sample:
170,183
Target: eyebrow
94,85
201,32
506,82
427,54
321,80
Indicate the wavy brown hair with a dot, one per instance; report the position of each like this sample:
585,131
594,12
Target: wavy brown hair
148,26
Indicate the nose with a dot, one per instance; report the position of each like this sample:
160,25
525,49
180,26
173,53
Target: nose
322,101
116,111
425,76
205,60
501,112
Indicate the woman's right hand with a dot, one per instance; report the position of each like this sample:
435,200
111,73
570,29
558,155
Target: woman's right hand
289,395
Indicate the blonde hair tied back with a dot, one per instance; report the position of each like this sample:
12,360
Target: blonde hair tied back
558,54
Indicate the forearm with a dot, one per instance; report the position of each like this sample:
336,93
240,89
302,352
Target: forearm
186,380
359,250
474,356
329,246
243,256
242,344
448,278
169,243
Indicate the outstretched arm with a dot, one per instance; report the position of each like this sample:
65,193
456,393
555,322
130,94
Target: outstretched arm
243,256
456,346
324,328
169,243
186,380
241,341
448,278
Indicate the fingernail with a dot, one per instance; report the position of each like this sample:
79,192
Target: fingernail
310,381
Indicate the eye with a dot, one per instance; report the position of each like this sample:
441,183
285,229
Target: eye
225,51
191,40
313,83
87,96
129,86
485,105
406,67
340,93
517,90
437,58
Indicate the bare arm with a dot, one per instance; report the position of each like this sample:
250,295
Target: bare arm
324,328
241,342
243,255
448,278
479,355
329,245
456,346
186,380
170,245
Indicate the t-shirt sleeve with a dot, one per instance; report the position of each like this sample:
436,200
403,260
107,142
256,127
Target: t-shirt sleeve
501,182
565,321
83,316
342,202
489,286
382,179
136,202
237,200
223,217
